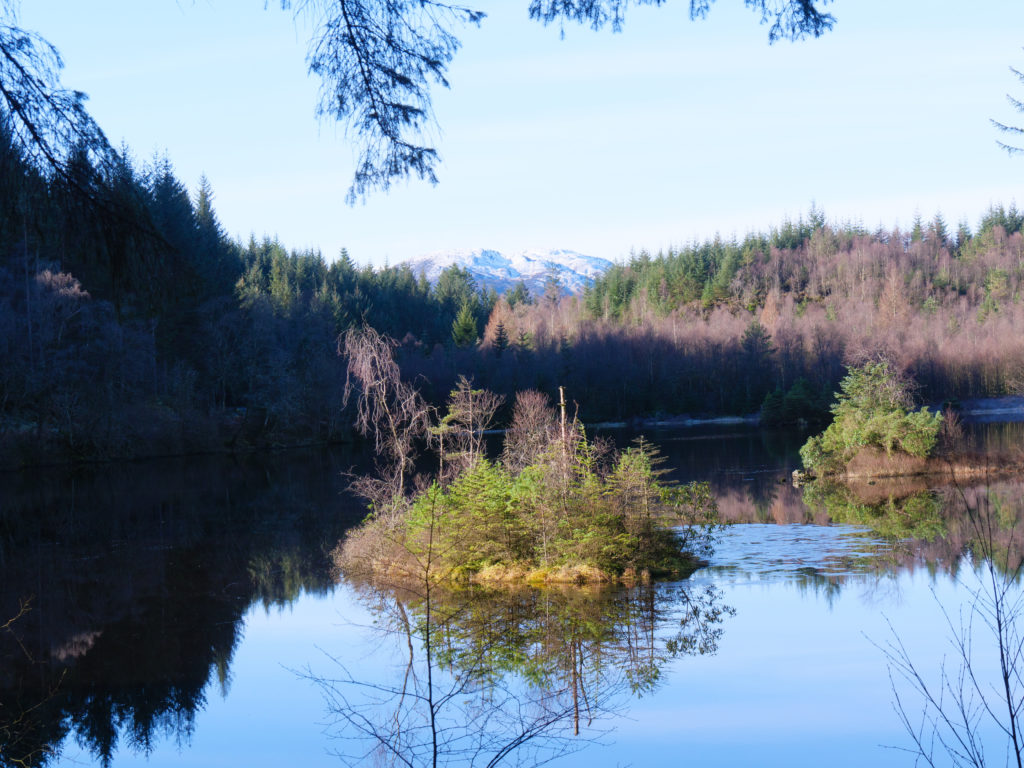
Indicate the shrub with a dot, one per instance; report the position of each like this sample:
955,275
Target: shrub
569,513
872,409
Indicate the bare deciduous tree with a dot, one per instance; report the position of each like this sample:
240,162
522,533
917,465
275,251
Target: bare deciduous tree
534,426
388,409
460,433
966,717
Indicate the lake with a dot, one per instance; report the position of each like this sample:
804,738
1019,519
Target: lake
183,612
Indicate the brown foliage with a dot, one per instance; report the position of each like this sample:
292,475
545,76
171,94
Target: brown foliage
534,426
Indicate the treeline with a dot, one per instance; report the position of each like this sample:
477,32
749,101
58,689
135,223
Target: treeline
769,324
130,324
814,297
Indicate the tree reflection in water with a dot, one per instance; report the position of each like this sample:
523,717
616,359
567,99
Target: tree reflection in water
972,708
123,591
510,676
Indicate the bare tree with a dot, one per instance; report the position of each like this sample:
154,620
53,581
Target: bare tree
20,727
534,426
388,409
966,718
460,433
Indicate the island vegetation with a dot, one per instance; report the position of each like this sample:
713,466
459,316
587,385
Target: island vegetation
876,432
555,507
873,429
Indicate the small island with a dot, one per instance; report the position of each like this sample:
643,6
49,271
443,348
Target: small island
556,507
877,433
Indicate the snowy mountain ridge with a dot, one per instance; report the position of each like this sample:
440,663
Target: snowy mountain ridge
492,269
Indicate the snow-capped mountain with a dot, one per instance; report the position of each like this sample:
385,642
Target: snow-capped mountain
492,269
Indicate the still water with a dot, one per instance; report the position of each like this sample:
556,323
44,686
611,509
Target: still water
184,613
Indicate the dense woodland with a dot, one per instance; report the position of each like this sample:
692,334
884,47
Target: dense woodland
130,324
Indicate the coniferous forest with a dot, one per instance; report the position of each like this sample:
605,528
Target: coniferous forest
132,325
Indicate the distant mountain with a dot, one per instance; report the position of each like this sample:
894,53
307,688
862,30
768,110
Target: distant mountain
492,269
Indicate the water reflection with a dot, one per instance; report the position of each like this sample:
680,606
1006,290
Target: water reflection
137,578
973,705
124,589
935,527
511,675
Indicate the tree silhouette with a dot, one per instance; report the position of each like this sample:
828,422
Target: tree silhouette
967,715
377,62
46,120
1012,130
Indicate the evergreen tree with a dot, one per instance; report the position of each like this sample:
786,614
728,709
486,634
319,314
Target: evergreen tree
455,287
873,408
817,217
917,231
963,234
757,345
1011,220
464,329
552,288
519,294
937,231
501,341
218,264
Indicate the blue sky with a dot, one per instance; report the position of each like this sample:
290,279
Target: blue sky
668,132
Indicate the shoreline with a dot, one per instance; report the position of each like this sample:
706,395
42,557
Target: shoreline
1005,408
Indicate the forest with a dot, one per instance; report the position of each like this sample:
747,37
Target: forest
132,325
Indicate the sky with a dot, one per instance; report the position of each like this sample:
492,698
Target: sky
668,132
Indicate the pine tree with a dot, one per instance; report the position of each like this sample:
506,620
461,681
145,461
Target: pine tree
217,259
963,234
917,231
500,340
464,330
552,288
206,218
938,231
519,294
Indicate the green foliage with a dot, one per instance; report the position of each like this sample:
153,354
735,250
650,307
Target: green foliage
872,409
917,230
1010,219
464,328
519,294
757,344
470,523
773,408
572,508
915,516
799,403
